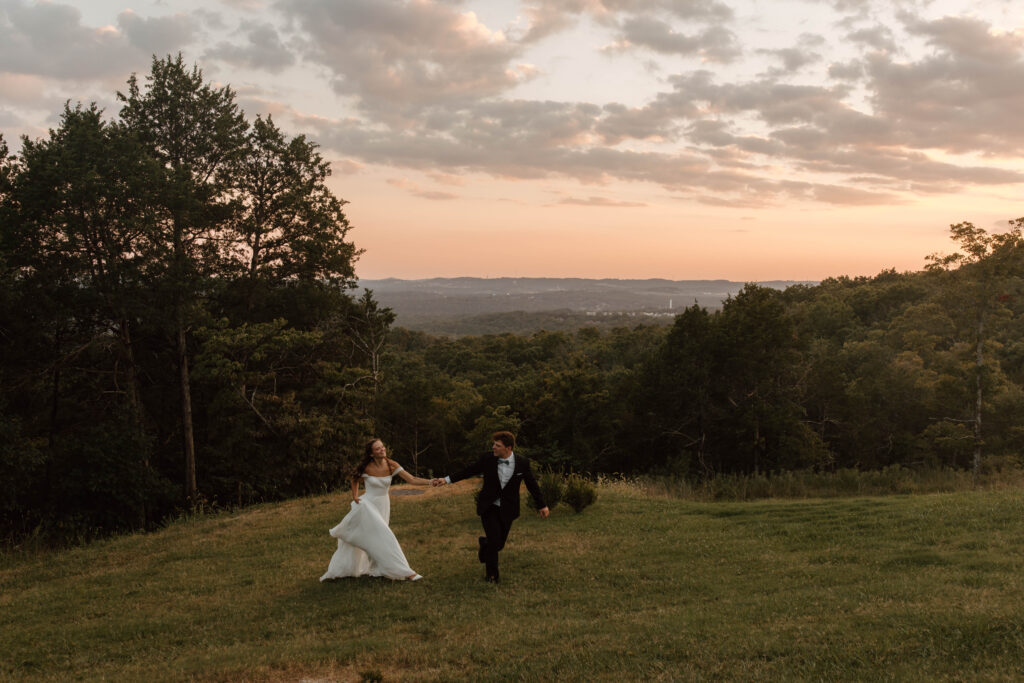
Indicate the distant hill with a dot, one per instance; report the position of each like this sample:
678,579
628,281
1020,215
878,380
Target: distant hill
528,322
444,305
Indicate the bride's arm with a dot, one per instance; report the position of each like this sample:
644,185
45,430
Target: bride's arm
355,490
418,481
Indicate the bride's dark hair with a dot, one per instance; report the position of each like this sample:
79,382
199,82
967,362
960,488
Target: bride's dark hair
357,473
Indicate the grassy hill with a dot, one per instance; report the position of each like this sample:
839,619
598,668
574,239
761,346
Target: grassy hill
925,587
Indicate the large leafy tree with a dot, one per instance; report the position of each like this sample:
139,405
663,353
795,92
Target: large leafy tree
980,281
196,133
287,224
79,225
136,249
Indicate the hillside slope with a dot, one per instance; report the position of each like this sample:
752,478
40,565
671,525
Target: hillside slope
912,588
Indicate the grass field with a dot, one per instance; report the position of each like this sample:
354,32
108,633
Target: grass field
927,587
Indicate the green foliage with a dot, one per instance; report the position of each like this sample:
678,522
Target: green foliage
526,323
173,283
552,487
490,421
579,492
1001,473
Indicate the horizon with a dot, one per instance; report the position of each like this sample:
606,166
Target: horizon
556,277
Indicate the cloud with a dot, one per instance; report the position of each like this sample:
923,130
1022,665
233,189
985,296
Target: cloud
247,5
968,38
844,195
879,38
48,39
963,97
714,44
602,202
209,20
9,119
657,121
807,131
416,190
23,89
157,35
346,166
397,57
795,58
547,17
447,179
913,105
263,49
846,71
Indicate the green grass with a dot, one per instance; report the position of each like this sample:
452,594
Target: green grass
925,587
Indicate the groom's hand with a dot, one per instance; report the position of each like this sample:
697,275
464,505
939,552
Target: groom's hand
544,512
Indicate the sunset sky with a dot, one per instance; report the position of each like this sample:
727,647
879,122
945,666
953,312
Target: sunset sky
682,139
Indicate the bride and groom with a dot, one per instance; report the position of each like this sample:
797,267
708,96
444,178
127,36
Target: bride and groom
366,544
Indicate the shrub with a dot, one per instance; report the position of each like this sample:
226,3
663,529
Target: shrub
552,487
579,492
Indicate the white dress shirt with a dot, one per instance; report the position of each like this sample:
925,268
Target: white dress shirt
506,466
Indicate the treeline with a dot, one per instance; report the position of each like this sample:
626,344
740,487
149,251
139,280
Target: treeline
528,322
921,370
178,329
176,325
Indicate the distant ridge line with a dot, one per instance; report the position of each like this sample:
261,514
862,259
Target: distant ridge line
415,302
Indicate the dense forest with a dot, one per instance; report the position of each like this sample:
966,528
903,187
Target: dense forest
179,328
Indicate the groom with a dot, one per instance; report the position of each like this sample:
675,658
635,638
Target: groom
498,502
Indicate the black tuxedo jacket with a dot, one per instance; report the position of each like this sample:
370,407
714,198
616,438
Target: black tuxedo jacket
492,491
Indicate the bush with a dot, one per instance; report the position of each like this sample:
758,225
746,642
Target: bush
579,492
552,487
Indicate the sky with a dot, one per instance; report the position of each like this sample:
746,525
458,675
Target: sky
746,140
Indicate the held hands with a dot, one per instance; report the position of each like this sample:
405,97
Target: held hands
437,482
544,512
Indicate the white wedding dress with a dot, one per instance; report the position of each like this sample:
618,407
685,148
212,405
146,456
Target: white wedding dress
366,544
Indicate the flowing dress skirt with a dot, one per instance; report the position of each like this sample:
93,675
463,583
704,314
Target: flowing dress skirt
366,545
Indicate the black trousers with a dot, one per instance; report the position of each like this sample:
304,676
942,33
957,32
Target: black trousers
497,533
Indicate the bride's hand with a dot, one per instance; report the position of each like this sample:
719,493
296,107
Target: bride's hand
355,499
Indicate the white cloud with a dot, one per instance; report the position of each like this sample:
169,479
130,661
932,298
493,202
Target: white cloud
157,35
397,57
48,39
263,49
860,104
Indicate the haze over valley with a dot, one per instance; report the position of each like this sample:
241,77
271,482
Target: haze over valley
465,305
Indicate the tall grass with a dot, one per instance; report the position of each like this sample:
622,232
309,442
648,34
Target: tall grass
808,484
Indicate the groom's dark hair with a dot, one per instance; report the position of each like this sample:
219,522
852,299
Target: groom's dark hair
508,439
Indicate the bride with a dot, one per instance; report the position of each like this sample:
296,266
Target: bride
366,544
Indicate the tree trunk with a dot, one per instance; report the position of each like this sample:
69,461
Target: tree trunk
135,405
188,443
54,391
978,366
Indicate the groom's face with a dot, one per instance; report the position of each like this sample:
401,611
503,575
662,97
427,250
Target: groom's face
500,450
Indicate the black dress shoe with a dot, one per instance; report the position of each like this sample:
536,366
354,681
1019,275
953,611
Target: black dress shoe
483,544
491,578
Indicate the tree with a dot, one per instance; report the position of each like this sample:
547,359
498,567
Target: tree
367,325
82,226
196,134
979,282
676,395
287,226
